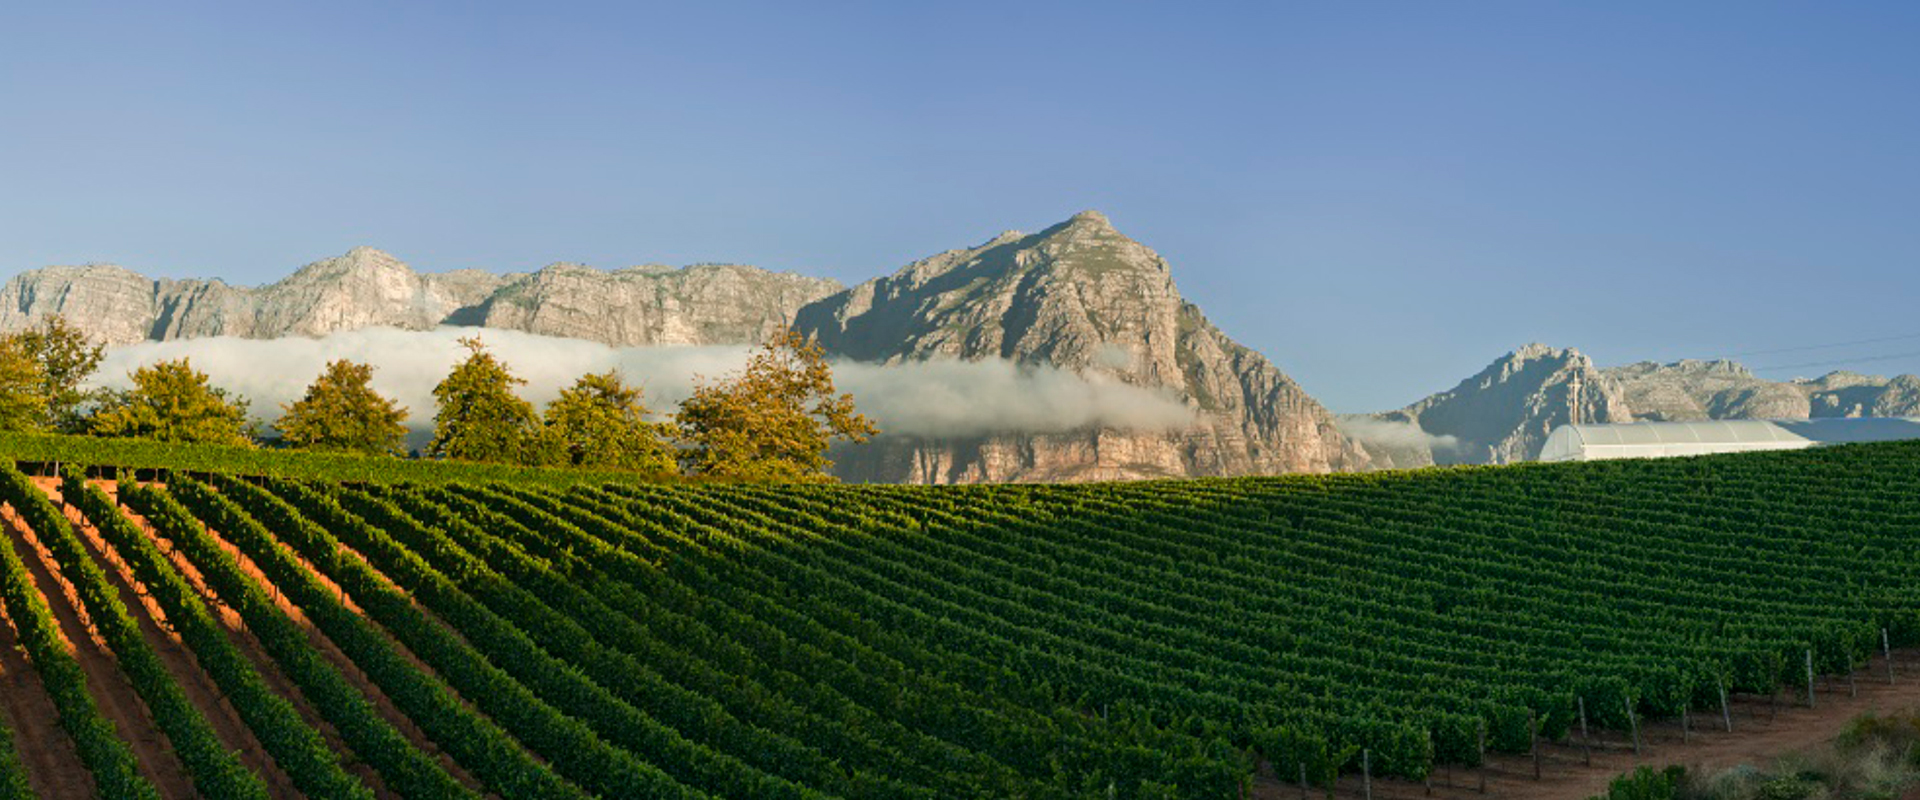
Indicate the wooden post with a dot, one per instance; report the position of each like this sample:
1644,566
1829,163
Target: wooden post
1853,686
1366,773
1726,713
1481,743
1533,740
1686,726
1633,724
1428,781
1586,740
1303,780
1810,701
1886,648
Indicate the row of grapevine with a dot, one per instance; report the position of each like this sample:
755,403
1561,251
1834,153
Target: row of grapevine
296,747
1157,639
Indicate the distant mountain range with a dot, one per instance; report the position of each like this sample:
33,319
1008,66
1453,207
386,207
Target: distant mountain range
1503,414
1079,295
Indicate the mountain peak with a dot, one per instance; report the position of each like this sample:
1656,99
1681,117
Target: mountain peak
366,252
1534,351
1090,217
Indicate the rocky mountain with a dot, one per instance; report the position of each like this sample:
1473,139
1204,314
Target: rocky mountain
1686,390
1079,297
1504,413
1499,416
702,304
1694,390
1083,297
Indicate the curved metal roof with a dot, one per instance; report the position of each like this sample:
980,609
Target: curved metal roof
1719,436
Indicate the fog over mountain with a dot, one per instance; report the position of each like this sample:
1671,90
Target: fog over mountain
926,398
1066,354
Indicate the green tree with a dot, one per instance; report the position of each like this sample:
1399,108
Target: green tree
480,418
600,422
773,420
341,411
23,398
67,358
172,402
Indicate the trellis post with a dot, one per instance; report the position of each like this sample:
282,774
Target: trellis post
1886,648
1726,713
1633,724
1533,740
1810,700
1481,744
1586,740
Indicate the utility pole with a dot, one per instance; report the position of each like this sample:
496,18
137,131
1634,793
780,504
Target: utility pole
1574,413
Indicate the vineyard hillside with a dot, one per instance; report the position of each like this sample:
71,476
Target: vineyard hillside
203,623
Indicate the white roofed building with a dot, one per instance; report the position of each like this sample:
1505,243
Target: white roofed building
1659,439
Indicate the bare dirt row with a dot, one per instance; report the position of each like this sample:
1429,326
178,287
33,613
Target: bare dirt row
56,771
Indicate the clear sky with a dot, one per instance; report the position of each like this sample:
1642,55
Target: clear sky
1382,197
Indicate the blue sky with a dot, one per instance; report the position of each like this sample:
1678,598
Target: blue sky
1382,197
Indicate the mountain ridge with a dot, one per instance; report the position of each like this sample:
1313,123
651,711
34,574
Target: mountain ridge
1533,394
1078,296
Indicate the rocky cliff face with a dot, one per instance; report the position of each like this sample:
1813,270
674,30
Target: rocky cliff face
1499,416
701,304
1694,390
1687,390
707,304
1850,394
1082,297
1079,296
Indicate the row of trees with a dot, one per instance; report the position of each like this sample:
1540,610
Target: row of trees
771,421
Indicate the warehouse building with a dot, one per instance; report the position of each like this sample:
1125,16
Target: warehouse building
1659,439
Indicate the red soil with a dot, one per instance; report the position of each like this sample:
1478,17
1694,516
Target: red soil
112,692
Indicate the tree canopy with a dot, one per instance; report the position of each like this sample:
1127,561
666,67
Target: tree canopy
173,402
600,422
773,420
23,398
341,411
67,358
479,416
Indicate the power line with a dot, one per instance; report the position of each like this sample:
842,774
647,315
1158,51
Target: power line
1862,360
1804,348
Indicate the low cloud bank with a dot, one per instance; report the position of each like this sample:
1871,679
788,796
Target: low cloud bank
1395,434
934,398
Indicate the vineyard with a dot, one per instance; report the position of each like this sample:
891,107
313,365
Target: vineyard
243,628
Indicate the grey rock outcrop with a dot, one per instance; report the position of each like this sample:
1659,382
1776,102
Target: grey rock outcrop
701,304
1082,297
704,304
1696,390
